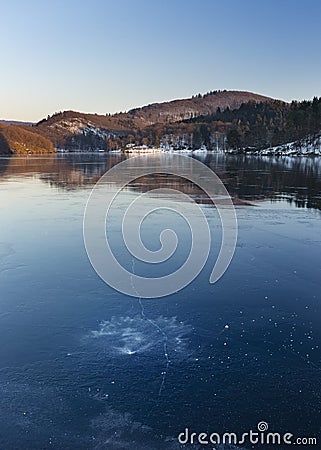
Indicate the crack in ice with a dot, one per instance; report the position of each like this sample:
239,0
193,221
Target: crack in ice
160,330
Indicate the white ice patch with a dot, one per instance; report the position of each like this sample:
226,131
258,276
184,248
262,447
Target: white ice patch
136,335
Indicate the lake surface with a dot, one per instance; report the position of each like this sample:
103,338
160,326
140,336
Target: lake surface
83,366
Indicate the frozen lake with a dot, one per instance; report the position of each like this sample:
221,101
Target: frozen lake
83,366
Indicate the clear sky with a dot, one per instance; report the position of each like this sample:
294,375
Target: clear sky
111,55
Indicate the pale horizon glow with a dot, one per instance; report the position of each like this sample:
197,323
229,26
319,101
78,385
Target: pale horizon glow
107,56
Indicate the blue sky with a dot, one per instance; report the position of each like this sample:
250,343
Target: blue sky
108,56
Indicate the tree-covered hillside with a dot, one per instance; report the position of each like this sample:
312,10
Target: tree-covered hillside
253,125
263,125
16,139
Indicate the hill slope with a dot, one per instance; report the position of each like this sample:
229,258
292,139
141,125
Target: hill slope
198,105
16,139
80,131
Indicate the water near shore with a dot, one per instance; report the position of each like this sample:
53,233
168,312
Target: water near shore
82,366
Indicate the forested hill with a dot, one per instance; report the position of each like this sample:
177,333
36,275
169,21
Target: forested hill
177,110
218,120
254,126
80,131
16,139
